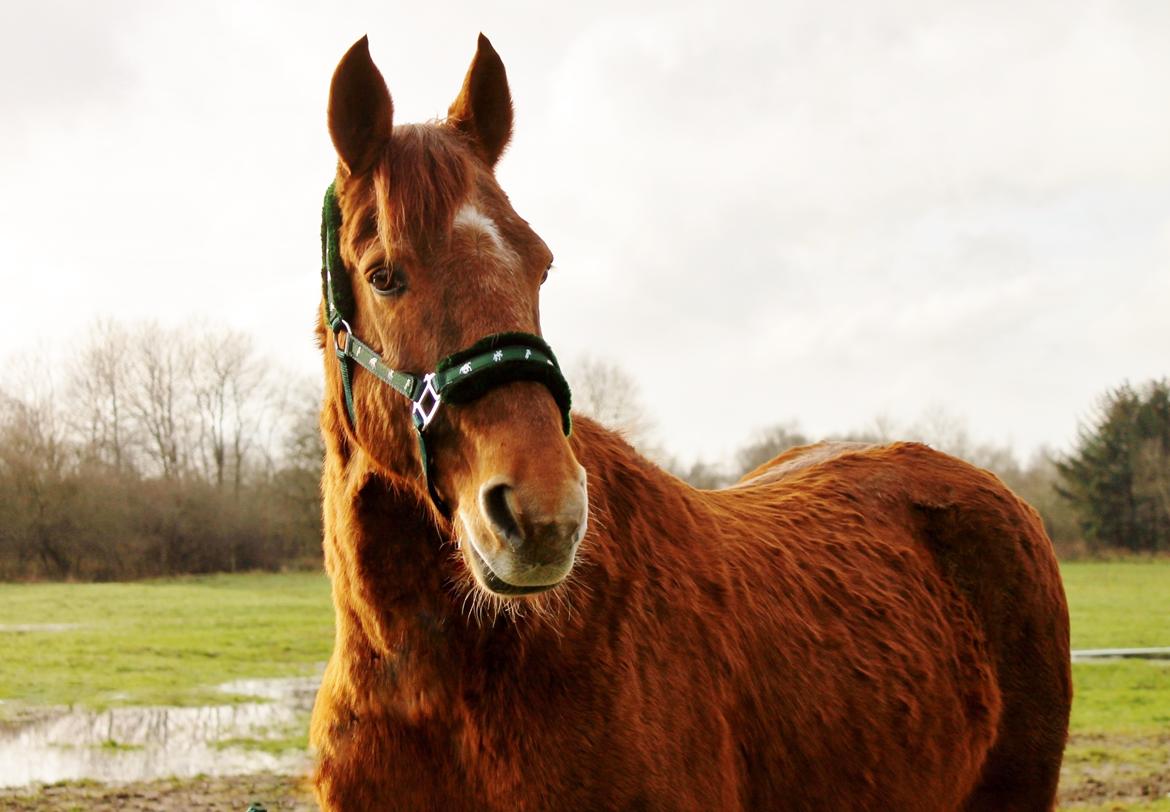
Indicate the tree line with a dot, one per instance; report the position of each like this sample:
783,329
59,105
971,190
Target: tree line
155,451
1111,492
158,451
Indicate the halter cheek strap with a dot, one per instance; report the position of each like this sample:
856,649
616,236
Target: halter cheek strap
466,375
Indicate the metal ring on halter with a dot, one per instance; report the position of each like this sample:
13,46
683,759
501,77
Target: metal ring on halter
342,323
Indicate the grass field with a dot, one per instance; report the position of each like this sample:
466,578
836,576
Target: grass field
173,641
1119,604
157,642
1120,729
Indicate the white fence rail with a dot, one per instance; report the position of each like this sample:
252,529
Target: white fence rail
1088,654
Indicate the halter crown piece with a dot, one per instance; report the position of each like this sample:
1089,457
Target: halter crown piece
468,374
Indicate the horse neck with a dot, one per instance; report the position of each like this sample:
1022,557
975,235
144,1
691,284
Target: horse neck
383,544
402,626
631,501
395,571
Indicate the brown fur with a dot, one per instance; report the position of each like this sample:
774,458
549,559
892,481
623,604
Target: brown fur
864,627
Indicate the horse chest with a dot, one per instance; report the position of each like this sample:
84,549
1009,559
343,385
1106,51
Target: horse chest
586,745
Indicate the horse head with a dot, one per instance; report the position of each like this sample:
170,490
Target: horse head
437,260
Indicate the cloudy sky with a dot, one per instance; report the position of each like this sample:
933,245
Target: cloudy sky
822,212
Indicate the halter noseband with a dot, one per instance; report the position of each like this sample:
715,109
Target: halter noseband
492,361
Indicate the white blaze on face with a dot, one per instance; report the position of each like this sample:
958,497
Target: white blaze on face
500,264
470,218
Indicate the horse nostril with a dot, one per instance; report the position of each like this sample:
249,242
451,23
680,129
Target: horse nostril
498,503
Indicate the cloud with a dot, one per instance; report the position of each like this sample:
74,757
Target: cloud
59,64
810,211
876,198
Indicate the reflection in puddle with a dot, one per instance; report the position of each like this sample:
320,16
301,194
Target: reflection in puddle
135,744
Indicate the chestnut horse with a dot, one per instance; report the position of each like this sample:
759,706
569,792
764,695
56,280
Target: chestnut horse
529,621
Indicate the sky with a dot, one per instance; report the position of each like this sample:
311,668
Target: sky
815,212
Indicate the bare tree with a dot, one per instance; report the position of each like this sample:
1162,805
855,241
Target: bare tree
1152,473
99,396
943,430
767,444
227,382
160,401
607,393
948,433
34,457
179,454
301,445
700,474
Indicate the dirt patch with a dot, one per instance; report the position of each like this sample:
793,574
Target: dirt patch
277,793
1113,768
1098,769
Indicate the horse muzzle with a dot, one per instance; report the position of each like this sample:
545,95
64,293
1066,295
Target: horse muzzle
522,542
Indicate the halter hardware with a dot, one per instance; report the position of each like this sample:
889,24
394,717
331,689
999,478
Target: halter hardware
423,410
466,375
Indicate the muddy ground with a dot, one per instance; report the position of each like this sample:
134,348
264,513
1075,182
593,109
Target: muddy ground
1122,772
1115,769
277,793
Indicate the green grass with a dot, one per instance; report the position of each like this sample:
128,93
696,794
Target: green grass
172,641
167,642
1119,604
1123,696
111,744
1115,604
1121,711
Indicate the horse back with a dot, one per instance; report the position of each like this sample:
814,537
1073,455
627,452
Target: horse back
990,558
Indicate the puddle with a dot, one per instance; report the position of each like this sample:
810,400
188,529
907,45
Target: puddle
143,743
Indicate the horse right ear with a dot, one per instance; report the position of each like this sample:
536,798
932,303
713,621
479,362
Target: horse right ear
361,114
483,109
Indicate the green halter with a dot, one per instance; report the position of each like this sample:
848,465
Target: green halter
459,378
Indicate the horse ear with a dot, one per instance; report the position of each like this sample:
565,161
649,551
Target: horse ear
361,114
483,109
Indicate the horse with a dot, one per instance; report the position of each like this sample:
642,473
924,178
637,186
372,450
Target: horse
532,616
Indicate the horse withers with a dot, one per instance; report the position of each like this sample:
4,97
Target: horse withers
529,618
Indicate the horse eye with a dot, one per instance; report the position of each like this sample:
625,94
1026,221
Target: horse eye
388,280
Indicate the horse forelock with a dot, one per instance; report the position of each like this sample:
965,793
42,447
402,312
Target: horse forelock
427,186
424,178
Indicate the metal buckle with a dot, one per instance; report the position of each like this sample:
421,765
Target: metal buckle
427,403
342,324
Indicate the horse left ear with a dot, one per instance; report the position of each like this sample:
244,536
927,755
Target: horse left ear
361,113
483,109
